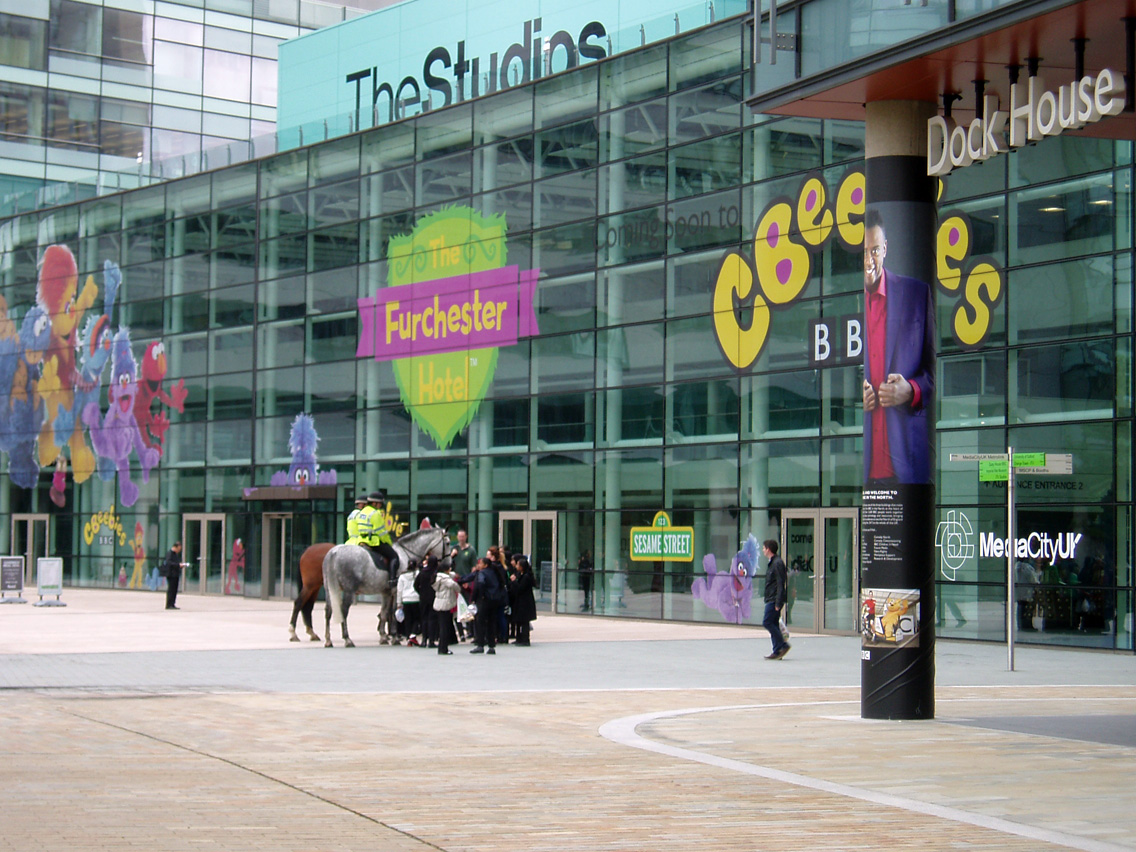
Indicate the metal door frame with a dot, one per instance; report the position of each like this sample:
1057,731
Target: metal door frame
203,518
266,549
526,545
31,518
818,517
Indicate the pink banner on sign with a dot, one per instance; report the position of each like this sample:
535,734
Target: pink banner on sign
474,311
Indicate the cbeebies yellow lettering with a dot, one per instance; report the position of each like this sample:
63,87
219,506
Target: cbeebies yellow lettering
1034,114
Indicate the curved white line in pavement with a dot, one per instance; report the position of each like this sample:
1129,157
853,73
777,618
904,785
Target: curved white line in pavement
623,731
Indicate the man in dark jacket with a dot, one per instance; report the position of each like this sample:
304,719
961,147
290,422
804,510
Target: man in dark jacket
171,570
776,592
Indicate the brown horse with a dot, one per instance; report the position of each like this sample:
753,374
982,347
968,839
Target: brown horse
311,577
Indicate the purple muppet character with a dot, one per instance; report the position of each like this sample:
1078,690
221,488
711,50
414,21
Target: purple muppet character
730,593
118,434
304,470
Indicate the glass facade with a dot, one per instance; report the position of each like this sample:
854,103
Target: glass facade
624,184
112,93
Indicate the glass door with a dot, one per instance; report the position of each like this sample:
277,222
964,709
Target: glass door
203,549
820,550
31,539
798,550
534,533
840,586
275,550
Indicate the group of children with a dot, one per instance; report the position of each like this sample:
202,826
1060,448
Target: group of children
501,602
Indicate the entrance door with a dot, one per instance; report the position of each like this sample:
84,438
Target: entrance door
203,548
820,550
535,534
275,552
31,539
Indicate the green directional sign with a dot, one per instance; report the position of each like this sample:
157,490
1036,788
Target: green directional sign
662,542
1029,459
994,470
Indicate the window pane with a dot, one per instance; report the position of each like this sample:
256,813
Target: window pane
264,81
72,120
1078,297
1073,380
634,130
227,75
1061,221
177,67
128,36
21,110
76,27
23,42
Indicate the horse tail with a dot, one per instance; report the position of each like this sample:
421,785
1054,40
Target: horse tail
332,587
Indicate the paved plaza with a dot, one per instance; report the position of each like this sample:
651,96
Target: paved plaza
123,726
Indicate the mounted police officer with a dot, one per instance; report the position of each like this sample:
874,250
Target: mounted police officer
375,531
353,520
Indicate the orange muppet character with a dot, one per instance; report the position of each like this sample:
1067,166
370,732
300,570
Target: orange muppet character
58,293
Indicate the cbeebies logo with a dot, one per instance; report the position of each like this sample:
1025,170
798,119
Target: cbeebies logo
1034,114
450,303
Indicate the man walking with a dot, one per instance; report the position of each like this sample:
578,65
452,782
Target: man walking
776,592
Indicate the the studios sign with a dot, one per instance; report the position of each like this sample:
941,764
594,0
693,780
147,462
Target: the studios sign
1034,114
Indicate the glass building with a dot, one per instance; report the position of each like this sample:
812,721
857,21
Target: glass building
117,94
585,373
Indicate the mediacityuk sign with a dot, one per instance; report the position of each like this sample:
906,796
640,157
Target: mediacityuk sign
1034,114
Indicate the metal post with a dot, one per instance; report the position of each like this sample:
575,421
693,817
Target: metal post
1011,534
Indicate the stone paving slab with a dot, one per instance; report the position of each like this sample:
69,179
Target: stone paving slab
688,742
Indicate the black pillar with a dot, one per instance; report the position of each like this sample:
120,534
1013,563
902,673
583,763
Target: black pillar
897,566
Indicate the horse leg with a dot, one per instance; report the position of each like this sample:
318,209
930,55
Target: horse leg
306,611
297,605
327,623
348,597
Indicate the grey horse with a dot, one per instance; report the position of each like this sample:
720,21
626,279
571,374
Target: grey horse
348,571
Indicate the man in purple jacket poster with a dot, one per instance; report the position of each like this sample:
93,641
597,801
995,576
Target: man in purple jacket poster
899,368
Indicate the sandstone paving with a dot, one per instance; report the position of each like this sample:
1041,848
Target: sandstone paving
527,771
220,735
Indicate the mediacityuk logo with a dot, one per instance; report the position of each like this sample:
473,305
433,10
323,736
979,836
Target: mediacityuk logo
954,538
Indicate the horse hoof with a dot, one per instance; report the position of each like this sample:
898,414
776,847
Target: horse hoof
348,644
314,638
327,644
294,639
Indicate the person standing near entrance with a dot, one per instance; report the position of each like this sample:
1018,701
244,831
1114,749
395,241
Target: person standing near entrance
171,569
776,593
587,571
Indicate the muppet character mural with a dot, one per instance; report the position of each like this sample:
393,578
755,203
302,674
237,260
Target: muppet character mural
305,469
58,294
52,368
115,435
21,411
152,422
730,593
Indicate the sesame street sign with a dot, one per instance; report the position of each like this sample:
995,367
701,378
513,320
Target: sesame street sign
662,542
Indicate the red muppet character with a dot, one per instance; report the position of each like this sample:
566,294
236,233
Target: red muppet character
155,423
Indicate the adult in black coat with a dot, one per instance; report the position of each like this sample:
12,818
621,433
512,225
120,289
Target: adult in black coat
424,585
524,604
